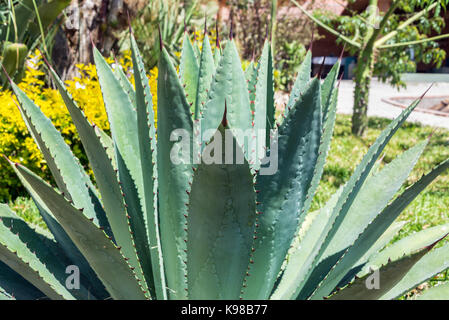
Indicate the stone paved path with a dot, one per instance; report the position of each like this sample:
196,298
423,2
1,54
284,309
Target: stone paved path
379,108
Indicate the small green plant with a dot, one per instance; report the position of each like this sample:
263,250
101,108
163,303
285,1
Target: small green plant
169,14
24,25
159,224
290,58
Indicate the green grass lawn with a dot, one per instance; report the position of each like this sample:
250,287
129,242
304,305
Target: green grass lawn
429,209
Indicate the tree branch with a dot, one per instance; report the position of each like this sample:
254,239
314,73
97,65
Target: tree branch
409,43
403,25
326,27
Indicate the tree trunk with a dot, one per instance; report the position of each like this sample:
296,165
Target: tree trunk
97,21
363,75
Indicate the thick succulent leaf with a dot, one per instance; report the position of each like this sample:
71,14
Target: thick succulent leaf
68,173
220,227
326,139
147,146
214,109
34,267
101,253
405,198
439,292
188,71
69,248
383,240
310,233
174,179
236,94
105,177
282,195
46,250
229,89
14,285
429,266
406,245
264,104
205,75
328,87
389,276
108,145
125,83
301,82
363,224
197,50
251,74
217,56
4,296
18,257
124,129
351,191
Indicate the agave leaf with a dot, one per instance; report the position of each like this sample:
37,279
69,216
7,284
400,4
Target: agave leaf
350,192
326,138
18,256
429,266
301,82
14,285
206,72
68,173
196,49
251,74
238,112
310,235
174,179
188,71
214,109
217,56
389,276
105,177
328,88
363,226
282,195
108,145
220,228
383,240
125,83
124,129
47,251
407,245
101,253
147,147
229,89
70,250
440,292
404,247
5,296
264,104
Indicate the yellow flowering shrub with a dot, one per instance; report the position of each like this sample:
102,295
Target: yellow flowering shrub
15,141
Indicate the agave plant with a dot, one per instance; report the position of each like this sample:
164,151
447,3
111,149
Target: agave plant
154,228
